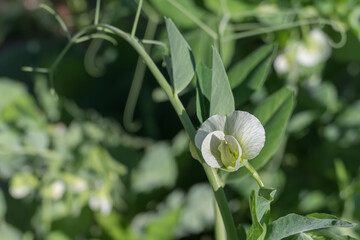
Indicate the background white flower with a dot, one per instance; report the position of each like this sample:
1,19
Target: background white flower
226,140
100,202
57,189
22,184
314,50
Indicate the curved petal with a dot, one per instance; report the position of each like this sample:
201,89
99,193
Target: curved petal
248,131
213,123
210,151
234,146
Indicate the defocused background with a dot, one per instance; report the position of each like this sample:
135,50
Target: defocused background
90,162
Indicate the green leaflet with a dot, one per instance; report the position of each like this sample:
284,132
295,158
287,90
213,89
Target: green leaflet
274,114
203,91
165,8
182,62
260,209
264,198
163,228
222,100
114,227
250,74
294,224
257,230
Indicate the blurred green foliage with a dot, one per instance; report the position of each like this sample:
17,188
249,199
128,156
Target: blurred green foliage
69,169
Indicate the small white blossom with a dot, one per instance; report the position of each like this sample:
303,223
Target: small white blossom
281,64
225,141
315,50
22,184
19,192
57,189
100,203
79,186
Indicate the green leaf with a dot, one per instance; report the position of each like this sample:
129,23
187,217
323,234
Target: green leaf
165,8
301,236
198,212
113,225
329,233
203,91
257,231
57,235
163,228
182,61
222,99
10,90
250,74
238,73
9,232
264,198
241,232
274,114
157,169
294,224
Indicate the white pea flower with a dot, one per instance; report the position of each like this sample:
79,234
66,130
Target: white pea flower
282,64
22,184
57,189
315,50
225,141
75,184
100,202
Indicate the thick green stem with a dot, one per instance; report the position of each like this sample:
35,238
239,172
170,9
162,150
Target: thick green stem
220,231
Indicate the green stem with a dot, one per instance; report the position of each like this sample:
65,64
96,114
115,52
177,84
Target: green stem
220,232
188,126
136,19
283,27
97,12
193,18
58,18
253,172
137,82
158,43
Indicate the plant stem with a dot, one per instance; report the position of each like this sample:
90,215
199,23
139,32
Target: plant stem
136,19
137,82
253,172
285,26
196,20
58,19
220,232
97,12
188,126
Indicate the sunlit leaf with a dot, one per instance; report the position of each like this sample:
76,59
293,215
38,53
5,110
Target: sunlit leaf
156,169
257,230
182,62
222,100
163,227
293,224
250,74
203,91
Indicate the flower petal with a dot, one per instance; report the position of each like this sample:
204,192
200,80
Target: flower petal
213,123
248,131
234,150
210,151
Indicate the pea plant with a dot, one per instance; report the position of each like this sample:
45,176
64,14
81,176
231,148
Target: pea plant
228,142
